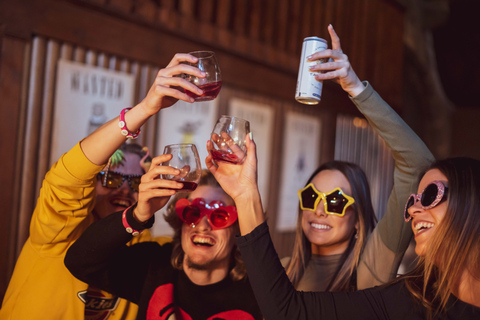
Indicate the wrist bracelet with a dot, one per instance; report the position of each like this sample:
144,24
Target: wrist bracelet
123,126
128,228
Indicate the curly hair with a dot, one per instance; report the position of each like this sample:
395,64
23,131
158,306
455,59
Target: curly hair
237,267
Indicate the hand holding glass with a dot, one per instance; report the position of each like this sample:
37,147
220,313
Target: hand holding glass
228,140
211,84
184,158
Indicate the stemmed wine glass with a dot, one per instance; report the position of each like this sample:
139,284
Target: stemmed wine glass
184,158
211,84
228,139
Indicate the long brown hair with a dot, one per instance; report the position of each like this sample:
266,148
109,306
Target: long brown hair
455,245
238,270
345,276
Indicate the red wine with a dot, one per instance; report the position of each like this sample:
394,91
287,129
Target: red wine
188,186
219,155
210,91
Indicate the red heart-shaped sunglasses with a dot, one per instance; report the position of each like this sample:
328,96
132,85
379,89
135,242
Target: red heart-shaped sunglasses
218,215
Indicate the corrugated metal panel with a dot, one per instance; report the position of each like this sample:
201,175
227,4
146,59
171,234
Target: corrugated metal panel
356,142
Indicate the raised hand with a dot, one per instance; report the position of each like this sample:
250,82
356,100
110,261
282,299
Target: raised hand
169,87
337,68
237,180
240,182
154,192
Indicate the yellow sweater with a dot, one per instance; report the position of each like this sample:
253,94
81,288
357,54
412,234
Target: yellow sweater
41,287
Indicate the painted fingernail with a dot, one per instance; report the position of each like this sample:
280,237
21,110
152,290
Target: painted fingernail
251,135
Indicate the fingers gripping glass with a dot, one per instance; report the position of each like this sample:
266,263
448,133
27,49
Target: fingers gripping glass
114,180
219,216
335,201
431,196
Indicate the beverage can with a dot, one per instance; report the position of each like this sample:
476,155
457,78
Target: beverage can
309,90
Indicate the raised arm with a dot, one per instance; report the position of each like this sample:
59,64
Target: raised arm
163,93
388,242
68,191
101,257
239,181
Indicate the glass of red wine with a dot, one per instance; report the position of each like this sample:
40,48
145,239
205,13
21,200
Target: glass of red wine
184,158
228,140
211,84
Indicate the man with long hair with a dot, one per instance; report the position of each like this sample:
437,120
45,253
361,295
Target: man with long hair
200,275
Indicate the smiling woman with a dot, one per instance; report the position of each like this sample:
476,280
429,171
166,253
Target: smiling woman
444,285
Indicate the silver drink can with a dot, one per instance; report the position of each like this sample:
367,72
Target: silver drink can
309,90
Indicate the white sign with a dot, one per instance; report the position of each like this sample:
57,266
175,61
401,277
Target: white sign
260,117
85,98
188,123
184,123
301,142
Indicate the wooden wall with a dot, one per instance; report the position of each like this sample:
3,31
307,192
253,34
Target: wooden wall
258,44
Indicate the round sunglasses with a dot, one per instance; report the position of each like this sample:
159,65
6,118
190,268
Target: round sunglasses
218,215
114,180
335,202
430,197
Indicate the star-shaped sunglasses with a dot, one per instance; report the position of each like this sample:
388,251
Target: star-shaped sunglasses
335,201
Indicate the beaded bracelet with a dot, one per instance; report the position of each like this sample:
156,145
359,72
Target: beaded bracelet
123,126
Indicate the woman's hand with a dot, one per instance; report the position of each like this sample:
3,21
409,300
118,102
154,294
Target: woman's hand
240,182
169,87
154,192
237,180
337,68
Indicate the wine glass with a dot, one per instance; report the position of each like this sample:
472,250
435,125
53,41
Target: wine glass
211,84
228,139
184,158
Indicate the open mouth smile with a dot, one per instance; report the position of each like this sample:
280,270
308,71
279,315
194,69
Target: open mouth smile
203,241
422,226
320,226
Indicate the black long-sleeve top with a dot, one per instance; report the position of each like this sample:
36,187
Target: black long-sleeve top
279,300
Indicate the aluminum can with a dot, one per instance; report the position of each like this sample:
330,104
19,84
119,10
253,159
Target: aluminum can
309,90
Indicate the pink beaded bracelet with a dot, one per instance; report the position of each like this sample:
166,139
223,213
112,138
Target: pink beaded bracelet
123,126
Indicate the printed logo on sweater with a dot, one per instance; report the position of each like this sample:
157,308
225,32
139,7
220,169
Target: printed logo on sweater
98,304
162,307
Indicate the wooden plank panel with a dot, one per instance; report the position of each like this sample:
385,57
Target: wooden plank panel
268,22
167,14
188,22
294,25
206,26
121,5
223,13
255,14
281,25
12,76
146,9
318,20
390,58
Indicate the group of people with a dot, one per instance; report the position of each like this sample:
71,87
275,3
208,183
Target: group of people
90,255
